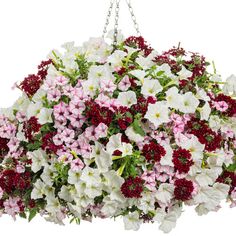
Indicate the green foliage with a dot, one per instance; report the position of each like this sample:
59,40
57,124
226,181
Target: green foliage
32,214
137,127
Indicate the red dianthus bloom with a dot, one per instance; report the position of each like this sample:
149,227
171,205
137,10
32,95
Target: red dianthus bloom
182,160
31,127
132,187
183,189
153,152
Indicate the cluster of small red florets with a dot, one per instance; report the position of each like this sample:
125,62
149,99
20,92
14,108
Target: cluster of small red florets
47,143
32,82
228,178
182,160
231,110
140,43
132,187
183,189
142,105
31,127
3,146
124,117
205,134
96,114
11,181
153,152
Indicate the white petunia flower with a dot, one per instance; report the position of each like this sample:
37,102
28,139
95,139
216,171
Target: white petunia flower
166,69
151,87
184,74
157,113
39,159
114,143
173,98
165,193
90,176
189,103
230,85
112,180
139,74
126,149
132,135
103,160
65,193
205,111
147,62
45,116
127,99
215,78
39,95
132,221
90,87
100,73
207,177
34,109
116,58
73,176
38,190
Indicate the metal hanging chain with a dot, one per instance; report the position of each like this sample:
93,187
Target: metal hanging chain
117,11
131,10
108,18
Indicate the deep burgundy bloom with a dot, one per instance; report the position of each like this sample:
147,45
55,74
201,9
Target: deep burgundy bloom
124,117
31,127
229,178
142,105
11,181
48,145
96,114
32,82
153,152
183,189
139,43
182,160
3,146
132,187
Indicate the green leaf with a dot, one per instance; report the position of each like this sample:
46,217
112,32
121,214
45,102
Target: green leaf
137,127
34,146
32,214
232,167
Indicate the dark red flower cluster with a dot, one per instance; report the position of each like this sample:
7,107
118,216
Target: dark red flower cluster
182,160
124,117
153,151
48,145
228,178
205,134
96,114
142,105
3,146
132,187
32,82
31,127
231,111
140,43
183,189
11,181
197,65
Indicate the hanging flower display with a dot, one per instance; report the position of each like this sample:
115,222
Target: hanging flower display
104,131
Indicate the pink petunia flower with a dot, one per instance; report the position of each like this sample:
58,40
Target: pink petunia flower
76,165
101,131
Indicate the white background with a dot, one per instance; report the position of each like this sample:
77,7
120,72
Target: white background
29,29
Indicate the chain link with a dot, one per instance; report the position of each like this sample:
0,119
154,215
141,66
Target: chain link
117,11
131,10
108,18
116,21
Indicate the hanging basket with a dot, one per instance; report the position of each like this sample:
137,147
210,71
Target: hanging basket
117,129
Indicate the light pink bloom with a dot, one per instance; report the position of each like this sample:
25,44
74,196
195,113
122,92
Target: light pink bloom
162,138
67,135
11,206
60,112
20,168
13,144
61,80
65,157
86,150
221,106
53,95
77,121
178,128
76,165
76,106
68,90
102,100
101,131
107,86
124,83
20,116
57,139
80,94
149,176
90,133
49,84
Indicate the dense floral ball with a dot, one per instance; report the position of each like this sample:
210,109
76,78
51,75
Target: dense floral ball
126,131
